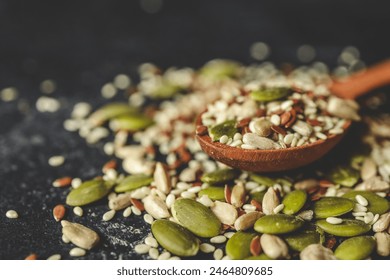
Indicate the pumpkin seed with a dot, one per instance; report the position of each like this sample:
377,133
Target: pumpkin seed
220,176
165,90
227,128
88,192
108,112
278,224
332,207
344,175
214,193
259,257
219,69
300,240
355,248
175,238
133,182
347,228
269,94
265,180
376,204
238,246
131,122
196,217
294,201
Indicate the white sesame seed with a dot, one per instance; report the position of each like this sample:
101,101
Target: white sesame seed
8,94
152,242
170,200
65,239
278,208
47,104
369,217
127,212
76,182
224,139
321,136
108,91
164,256
78,211
54,257
77,252
249,207
226,258
336,131
334,220
183,186
12,214
359,214
218,239
286,104
56,161
72,125
360,218
81,110
174,258
141,249
359,208
361,200
195,189
187,194
136,211
229,234
218,254
206,248
109,215
248,147
275,119
237,136
153,253
236,143
122,81
148,219
381,194
109,148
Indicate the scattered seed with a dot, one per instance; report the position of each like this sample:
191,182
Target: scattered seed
78,211
11,214
141,249
154,253
54,257
62,182
127,212
164,256
152,242
65,239
218,254
148,219
56,161
334,220
77,252
109,215
361,200
59,212
136,211
278,208
76,182
31,257
207,248
218,239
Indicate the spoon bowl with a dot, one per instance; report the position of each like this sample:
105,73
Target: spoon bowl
268,160
291,158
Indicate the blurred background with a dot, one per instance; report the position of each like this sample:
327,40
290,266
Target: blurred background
82,45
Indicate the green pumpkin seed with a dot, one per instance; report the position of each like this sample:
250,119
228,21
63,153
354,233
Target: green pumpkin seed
88,192
133,182
278,224
219,69
332,207
263,180
259,257
300,240
175,238
227,128
238,246
347,228
214,193
356,248
376,204
220,176
344,175
165,90
258,196
356,161
196,217
110,111
130,122
269,94
294,201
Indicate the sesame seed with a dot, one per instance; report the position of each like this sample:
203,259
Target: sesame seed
56,161
334,220
78,211
141,249
8,94
218,254
11,214
206,248
109,148
187,194
369,217
359,208
77,252
148,219
108,91
108,215
47,104
229,234
361,200
218,239
206,201
278,208
136,211
48,86
224,139
81,110
359,214
195,189
54,257
152,242
127,212
170,200
153,253
164,256
76,182
122,81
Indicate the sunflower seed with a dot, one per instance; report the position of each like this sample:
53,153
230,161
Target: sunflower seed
270,201
383,223
161,178
368,169
247,220
120,202
237,197
225,212
80,235
316,252
274,247
382,243
156,207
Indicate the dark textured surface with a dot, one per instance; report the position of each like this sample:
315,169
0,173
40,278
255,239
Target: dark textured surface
84,44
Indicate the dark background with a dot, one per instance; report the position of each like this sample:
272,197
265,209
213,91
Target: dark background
84,44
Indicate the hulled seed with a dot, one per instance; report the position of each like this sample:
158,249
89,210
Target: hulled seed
77,252
361,200
218,254
11,214
218,239
142,249
78,211
148,219
154,253
152,242
207,248
54,257
108,215
334,220
127,212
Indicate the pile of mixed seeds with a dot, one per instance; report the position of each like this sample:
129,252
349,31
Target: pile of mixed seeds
195,204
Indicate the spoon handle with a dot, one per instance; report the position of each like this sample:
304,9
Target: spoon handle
363,82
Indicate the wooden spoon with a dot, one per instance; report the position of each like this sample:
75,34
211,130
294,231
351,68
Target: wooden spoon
290,158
